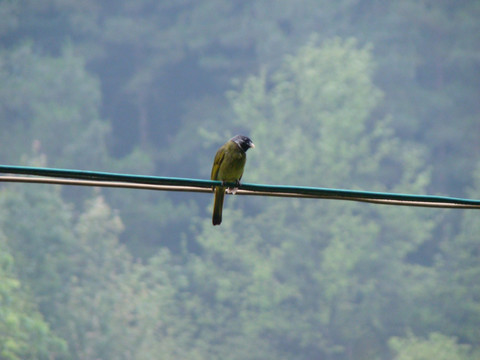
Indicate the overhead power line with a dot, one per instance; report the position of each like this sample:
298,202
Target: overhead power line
105,179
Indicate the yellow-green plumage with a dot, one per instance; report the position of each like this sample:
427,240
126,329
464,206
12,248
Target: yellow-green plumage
228,167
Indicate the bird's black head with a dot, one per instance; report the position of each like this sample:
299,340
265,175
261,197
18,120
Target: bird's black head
243,142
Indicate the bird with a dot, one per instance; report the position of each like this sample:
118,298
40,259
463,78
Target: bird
228,167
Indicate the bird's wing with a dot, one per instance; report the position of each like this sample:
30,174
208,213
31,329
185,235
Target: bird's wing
219,156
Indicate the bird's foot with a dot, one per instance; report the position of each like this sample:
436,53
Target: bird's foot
233,190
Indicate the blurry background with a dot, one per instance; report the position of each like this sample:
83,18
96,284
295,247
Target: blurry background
356,94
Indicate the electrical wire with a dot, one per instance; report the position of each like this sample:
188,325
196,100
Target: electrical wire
104,179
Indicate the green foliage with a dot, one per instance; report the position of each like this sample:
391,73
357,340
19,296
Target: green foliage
37,223
457,294
51,104
317,98
316,277
437,346
154,60
72,265
94,286
24,334
280,279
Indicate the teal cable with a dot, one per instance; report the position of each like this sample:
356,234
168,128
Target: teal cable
104,176
185,184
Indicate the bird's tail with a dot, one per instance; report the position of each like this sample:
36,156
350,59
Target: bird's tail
218,205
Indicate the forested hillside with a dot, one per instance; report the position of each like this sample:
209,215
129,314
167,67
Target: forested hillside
354,94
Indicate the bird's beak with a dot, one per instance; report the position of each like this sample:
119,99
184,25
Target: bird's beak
252,145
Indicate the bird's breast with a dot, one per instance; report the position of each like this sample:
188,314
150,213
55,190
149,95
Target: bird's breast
231,168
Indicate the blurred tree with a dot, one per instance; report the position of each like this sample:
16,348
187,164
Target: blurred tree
24,334
71,265
155,59
437,346
94,287
428,66
44,112
456,296
121,309
38,224
270,281
50,104
317,278
164,67
152,219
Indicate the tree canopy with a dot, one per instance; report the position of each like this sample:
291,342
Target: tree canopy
368,95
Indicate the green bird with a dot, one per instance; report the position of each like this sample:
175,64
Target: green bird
228,167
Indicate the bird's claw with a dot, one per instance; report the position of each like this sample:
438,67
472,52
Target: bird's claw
233,190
